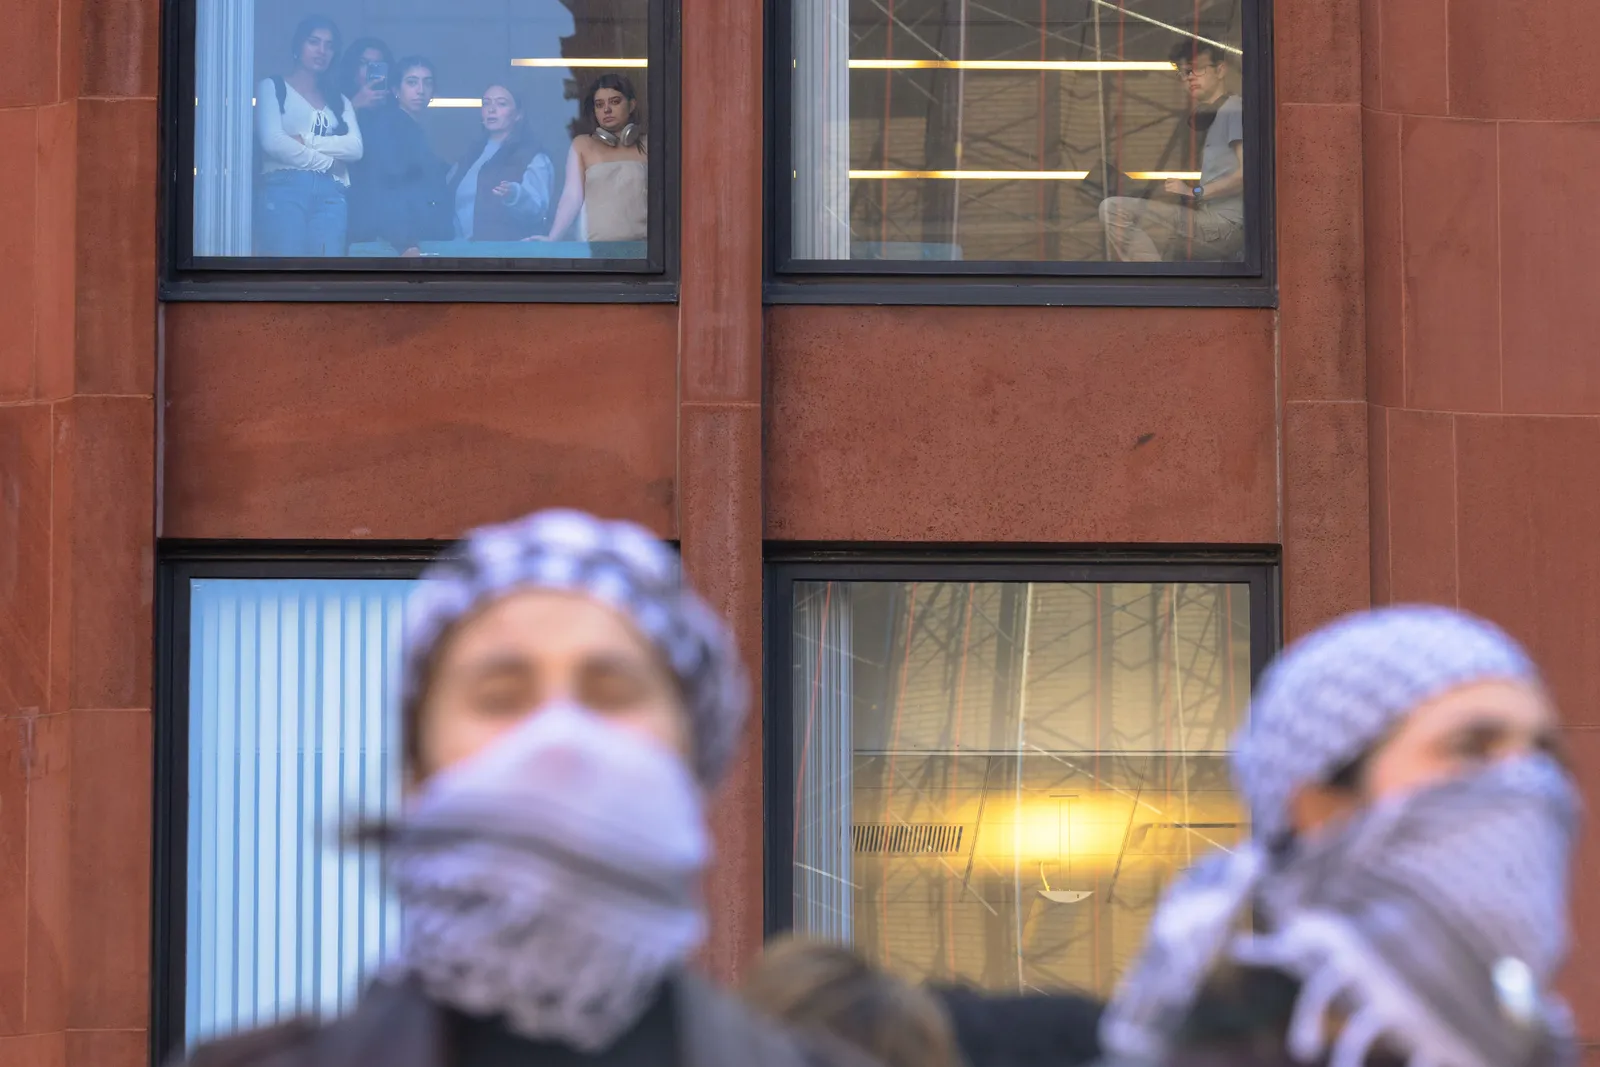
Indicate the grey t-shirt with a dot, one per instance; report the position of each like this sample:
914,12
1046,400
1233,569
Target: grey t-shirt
1217,159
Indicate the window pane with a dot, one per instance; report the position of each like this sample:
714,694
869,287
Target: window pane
1018,130
996,781
290,743
373,129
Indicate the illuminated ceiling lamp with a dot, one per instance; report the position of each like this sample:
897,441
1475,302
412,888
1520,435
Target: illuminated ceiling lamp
1063,896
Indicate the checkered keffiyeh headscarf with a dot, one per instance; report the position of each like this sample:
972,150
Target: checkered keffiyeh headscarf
1433,922
618,564
1334,695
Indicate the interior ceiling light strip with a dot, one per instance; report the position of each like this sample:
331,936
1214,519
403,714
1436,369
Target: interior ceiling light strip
1009,64
1163,175
974,175
440,101
563,61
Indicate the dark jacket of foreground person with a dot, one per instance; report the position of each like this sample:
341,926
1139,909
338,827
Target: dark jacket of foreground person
1241,1019
690,1025
1038,1030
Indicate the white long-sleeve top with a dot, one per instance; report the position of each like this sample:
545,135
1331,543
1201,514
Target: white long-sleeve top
323,152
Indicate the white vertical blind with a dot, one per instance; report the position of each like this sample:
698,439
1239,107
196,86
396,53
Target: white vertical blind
292,740
224,127
821,129
824,746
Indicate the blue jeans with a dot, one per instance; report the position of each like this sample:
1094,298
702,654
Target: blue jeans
300,213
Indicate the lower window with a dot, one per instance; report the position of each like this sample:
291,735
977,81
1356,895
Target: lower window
991,780
277,736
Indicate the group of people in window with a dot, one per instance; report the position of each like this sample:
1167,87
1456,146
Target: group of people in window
345,159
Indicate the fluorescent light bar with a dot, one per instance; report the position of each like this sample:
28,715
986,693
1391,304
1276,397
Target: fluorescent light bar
1163,175
975,175
439,101
1008,64
562,61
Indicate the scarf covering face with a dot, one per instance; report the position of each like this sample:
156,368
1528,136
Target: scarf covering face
1431,925
554,879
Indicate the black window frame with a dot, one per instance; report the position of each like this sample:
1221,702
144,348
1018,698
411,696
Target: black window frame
1252,283
185,277
179,564
1260,568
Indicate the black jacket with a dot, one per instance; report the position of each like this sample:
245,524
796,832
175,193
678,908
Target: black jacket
492,218
397,1026
1033,1030
397,189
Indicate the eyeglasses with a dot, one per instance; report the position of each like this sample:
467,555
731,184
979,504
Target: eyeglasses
1189,72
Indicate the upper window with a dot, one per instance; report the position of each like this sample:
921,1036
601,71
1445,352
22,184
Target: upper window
1021,136
406,134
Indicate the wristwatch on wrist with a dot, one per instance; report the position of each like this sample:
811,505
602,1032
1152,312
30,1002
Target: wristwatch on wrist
1199,191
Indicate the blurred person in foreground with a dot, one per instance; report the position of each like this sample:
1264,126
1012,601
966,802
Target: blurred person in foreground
1403,900
821,988
566,706
818,986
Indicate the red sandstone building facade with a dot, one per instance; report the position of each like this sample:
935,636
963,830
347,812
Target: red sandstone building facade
1400,406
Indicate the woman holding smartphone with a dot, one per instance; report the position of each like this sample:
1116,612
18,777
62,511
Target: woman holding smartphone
397,191
364,73
309,136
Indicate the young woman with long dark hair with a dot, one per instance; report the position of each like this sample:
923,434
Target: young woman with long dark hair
309,136
608,172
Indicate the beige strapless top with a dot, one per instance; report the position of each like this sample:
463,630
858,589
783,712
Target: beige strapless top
616,200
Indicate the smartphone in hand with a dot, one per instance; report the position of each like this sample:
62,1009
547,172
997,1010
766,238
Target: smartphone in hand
378,75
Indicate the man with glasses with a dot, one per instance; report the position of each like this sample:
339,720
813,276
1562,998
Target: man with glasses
1197,219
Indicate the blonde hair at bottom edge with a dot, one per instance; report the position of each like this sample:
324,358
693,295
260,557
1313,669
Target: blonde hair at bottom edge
821,988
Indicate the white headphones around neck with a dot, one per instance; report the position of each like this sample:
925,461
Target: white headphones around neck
626,139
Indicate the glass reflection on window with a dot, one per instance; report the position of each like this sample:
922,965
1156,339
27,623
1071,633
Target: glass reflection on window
291,742
422,129
994,782
1018,130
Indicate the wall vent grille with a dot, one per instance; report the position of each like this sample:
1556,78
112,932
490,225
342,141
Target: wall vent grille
908,839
